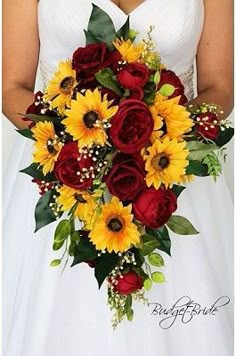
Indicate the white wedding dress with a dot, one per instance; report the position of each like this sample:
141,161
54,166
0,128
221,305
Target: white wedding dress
49,313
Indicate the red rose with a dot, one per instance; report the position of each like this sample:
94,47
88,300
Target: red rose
133,75
126,177
87,61
136,93
128,283
154,207
67,166
132,126
206,126
169,77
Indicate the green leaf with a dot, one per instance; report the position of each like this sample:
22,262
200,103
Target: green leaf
162,236
130,314
167,89
198,150
158,277
149,244
62,231
124,31
26,133
150,98
156,260
55,263
101,26
105,77
35,171
197,168
224,136
128,302
104,265
91,38
181,226
57,245
42,118
147,284
157,77
177,189
43,213
85,251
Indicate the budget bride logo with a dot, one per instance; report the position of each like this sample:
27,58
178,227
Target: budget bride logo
185,309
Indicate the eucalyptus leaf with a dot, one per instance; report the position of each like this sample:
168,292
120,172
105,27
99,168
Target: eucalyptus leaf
181,226
106,78
55,263
147,284
156,260
198,150
167,89
62,231
57,245
157,77
158,277
43,213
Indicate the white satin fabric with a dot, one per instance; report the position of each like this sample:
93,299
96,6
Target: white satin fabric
49,313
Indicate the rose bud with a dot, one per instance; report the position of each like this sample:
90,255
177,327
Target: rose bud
169,77
207,126
126,177
132,126
87,61
154,207
43,187
128,283
111,95
69,170
136,93
133,75
34,108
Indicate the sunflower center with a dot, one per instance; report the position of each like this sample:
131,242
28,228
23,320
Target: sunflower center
79,198
115,225
90,119
67,84
50,147
160,161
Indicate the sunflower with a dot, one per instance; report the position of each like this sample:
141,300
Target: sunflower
115,230
87,120
47,145
166,162
60,88
129,51
175,117
68,197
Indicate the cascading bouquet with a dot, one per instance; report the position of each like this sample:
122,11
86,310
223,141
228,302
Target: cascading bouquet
114,148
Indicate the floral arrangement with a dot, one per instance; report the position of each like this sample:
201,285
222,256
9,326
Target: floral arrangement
114,147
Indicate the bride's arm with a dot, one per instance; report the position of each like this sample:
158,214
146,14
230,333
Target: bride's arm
20,57
215,56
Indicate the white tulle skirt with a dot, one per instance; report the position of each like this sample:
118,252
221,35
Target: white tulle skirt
49,313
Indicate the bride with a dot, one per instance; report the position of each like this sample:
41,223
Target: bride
49,313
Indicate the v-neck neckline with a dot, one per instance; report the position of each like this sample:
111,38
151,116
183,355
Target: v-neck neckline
137,8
